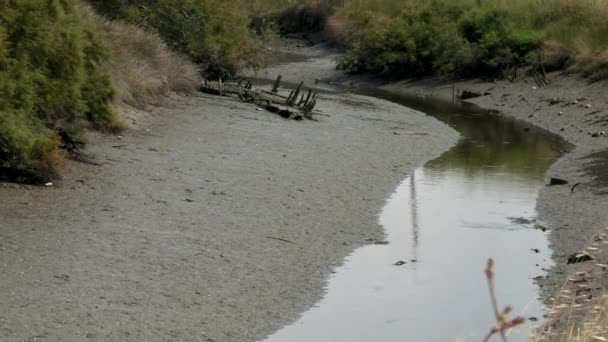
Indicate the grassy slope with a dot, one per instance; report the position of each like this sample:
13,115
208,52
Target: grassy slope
214,33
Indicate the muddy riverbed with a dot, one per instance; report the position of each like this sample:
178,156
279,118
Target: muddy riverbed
473,202
571,107
207,220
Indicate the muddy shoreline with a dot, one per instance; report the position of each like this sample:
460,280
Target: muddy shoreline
575,213
208,220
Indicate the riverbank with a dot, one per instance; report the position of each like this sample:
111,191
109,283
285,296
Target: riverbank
205,220
575,213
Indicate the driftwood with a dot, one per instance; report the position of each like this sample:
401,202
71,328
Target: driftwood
289,107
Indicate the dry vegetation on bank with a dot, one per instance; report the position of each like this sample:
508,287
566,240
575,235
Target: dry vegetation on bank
144,69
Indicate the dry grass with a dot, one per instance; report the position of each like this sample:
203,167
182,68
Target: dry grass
579,312
593,327
144,69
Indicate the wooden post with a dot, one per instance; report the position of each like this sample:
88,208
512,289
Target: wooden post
295,97
308,97
277,83
301,101
220,86
453,93
289,98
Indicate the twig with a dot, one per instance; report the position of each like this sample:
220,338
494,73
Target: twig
503,324
279,239
574,187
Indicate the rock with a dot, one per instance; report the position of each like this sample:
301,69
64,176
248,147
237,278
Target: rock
49,184
560,113
557,181
400,263
536,250
576,258
469,94
534,88
588,105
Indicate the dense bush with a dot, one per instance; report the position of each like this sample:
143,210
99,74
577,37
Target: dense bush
215,33
462,37
54,82
473,37
304,17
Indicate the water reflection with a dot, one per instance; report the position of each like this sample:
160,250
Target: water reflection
444,221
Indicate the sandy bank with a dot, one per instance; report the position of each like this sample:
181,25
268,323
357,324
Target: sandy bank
206,221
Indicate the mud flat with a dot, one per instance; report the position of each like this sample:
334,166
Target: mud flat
208,220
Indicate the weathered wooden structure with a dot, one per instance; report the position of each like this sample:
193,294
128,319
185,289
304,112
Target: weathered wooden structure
299,105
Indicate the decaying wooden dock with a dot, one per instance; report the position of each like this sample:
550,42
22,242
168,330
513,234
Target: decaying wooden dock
299,105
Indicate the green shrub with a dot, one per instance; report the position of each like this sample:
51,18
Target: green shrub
54,81
215,33
304,18
462,37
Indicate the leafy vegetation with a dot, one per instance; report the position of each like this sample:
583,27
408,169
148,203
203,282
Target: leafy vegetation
473,37
54,81
214,33
462,37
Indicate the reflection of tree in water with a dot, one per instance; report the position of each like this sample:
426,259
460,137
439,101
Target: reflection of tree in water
489,140
498,141
414,213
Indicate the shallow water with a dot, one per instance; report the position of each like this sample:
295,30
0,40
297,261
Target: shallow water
445,220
